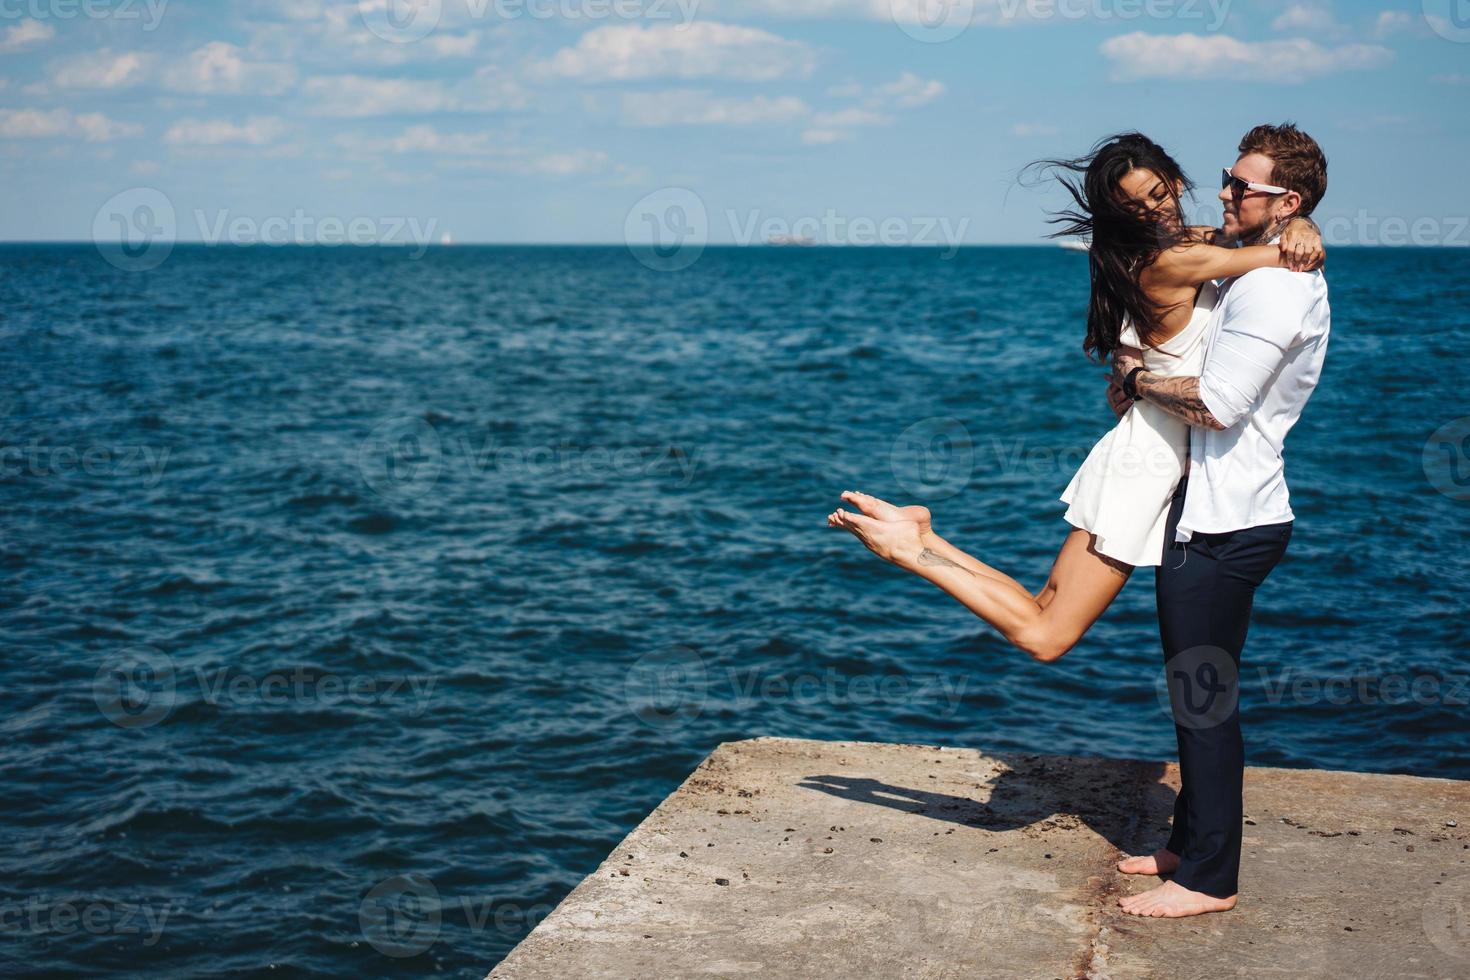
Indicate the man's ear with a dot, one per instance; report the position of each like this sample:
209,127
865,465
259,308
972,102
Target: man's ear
1288,205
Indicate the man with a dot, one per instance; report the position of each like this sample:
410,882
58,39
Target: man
1231,519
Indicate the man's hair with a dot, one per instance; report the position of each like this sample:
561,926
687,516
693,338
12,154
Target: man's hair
1298,163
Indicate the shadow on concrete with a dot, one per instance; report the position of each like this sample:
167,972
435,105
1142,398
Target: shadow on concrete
1121,801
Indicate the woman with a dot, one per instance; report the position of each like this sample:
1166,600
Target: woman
1151,291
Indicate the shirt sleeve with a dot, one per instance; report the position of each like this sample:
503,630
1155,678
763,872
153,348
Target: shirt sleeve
1263,321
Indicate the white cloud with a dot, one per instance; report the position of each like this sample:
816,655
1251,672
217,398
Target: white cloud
219,67
824,137
1394,22
1454,78
700,108
359,96
425,139
255,131
1305,17
312,31
36,124
910,91
474,151
1140,55
700,50
569,164
101,69
850,118
26,34
452,45
917,12
1025,130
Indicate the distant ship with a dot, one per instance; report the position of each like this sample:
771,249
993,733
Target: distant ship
1075,245
798,240
446,239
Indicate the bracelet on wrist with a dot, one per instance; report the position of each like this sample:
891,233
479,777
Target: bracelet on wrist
1130,384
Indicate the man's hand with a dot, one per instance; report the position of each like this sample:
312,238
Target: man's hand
1117,400
1125,359
1301,245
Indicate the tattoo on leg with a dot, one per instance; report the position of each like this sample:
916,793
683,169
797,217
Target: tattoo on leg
931,557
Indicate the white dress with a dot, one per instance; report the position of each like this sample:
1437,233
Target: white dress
1121,493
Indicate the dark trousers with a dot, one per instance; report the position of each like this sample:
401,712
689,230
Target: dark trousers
1205,587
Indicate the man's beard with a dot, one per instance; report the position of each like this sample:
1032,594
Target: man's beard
1261,234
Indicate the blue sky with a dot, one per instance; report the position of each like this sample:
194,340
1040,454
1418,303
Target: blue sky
551,120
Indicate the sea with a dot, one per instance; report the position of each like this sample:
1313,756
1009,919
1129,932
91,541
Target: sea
357,601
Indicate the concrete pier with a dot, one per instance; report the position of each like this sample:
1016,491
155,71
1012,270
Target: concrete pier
802,859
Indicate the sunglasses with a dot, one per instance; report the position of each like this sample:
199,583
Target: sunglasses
1238,186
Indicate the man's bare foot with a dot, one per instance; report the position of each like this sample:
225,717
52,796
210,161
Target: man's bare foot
1173,901
1160,862
882,510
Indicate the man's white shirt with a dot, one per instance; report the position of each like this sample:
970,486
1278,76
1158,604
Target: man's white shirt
1264,349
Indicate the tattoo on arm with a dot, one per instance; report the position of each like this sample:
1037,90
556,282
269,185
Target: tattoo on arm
1177,396
931,557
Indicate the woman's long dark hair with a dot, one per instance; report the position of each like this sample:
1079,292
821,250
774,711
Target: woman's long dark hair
1126,236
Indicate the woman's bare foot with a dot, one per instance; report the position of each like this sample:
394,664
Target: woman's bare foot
882,510
897,541
1173,901
1160,862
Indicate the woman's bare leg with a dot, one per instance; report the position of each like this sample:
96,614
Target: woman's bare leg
1082,582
